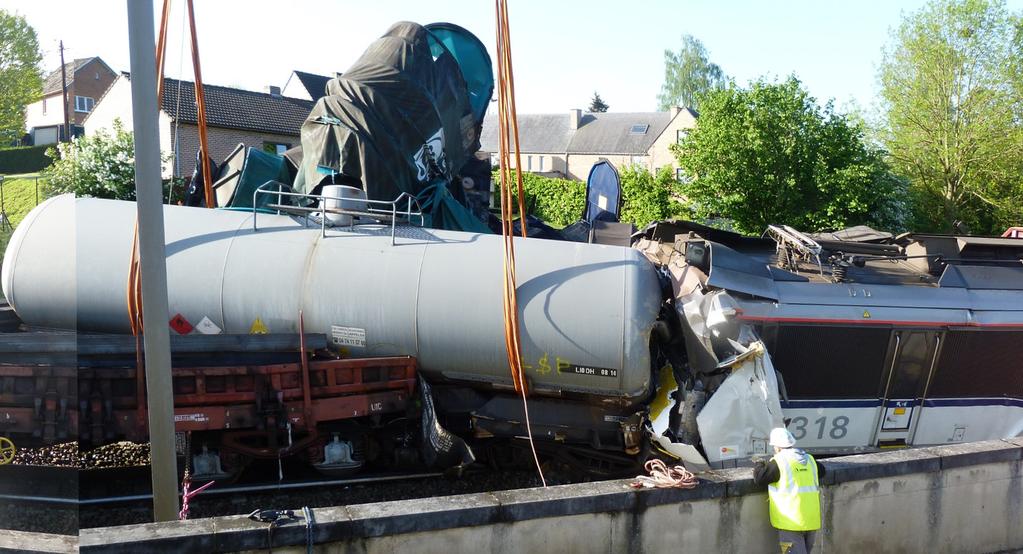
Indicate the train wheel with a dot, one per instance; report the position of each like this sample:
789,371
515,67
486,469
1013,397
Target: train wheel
6,451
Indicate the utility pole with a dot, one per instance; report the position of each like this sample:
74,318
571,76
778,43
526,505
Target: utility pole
152,259
63,88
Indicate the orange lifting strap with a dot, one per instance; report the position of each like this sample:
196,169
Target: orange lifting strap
134,291
508,125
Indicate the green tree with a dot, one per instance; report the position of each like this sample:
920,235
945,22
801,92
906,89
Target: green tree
688,74
769,154
951,84
647,197
597,104
101,165
20,77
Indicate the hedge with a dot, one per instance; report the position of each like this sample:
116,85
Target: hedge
560,202
23,159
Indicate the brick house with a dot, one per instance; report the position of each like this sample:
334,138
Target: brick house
567,145
265,120
87,80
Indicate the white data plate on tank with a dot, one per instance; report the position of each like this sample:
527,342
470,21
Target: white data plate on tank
348,336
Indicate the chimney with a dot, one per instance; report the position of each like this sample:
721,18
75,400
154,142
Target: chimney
272,90
674,111
574,116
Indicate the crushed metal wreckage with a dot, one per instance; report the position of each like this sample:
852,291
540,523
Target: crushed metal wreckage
856,340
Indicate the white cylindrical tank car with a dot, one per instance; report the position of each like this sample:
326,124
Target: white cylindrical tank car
586,311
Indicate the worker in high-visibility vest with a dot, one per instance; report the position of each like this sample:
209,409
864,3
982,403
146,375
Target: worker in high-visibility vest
793,491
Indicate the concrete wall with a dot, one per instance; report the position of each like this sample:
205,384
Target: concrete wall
961,498
20,541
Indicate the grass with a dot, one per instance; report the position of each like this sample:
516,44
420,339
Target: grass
19,197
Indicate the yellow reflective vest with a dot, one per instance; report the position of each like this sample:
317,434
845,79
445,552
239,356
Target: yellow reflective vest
795,501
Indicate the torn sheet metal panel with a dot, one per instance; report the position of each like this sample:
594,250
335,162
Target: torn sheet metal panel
699,311
738,418
738,272
663,410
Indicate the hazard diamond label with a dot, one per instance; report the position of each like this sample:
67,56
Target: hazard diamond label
207,327
180,324
258,328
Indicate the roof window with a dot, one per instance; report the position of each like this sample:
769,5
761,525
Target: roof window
639,129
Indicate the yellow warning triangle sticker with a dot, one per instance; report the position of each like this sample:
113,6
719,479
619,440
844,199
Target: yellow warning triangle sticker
258,328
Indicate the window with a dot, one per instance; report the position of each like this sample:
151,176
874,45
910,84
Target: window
680,175
44,105
276,147
493,160
681,134
529,163
639,129
541,163
84,104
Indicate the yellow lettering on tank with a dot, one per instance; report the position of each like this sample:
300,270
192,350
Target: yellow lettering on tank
543,365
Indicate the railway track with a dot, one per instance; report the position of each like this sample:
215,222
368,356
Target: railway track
226,490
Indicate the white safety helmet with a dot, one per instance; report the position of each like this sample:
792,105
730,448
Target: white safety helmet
782,438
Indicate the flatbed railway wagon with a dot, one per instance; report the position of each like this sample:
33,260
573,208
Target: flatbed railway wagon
237,398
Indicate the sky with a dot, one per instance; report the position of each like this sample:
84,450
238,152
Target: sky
563,51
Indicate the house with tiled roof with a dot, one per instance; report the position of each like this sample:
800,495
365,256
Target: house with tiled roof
568,144
306,86
267,120
87,80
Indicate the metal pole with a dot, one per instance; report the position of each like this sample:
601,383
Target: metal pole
63,88
152,259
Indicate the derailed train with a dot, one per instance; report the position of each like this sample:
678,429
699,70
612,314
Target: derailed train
693,343
696,348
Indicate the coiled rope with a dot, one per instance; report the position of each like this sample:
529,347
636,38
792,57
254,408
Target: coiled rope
509,134
663,477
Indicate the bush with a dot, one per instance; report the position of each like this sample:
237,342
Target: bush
23,159
649,198
560,202
101,165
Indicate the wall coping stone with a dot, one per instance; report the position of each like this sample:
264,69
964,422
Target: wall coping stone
430,514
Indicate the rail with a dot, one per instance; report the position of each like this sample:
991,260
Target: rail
378,210
225,490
